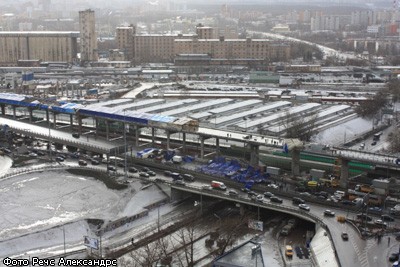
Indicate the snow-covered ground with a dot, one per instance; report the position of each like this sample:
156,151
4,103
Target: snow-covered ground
37,208
344,132
5,164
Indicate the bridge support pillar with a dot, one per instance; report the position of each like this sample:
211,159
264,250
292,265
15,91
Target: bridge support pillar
96,123
3,109
54,120
30,110
295,162
153,133
80,125
14,112
202,147
107,129
184,142
71,121
242,210
254,156
168,133
217,149
47,116
344,173
137,133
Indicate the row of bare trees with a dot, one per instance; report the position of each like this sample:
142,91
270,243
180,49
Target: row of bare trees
182,247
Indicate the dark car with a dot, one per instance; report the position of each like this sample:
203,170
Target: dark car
252,193
387,218
167,173
95,162
75,135
276,199
132,170
151,173
373,143
145,169
345,236
120,164
111,168
297,200
82,162
348,203
188,177
268,194
144,174
59,159
179,182
394,257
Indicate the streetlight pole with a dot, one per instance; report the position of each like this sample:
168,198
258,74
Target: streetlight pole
125,167
50,141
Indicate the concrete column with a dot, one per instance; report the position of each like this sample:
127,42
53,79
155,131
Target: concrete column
30,114
71,121
14,112
153,132
295,162
107,129
217,150
96,124
137,134
168,133
202,147
254,155
344,173
242,209
3,109
80,124
54,120
47,116
184,142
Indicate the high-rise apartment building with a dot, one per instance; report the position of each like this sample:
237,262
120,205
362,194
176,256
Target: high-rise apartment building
88,37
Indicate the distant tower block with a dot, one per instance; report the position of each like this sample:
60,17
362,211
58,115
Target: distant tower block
88,38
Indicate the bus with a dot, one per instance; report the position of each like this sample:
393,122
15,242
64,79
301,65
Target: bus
377,136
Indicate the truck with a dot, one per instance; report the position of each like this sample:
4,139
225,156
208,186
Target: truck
364,188
177,159
218,185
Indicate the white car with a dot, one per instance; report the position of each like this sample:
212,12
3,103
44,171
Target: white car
274,186
304,207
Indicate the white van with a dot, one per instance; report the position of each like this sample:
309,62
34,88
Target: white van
339,194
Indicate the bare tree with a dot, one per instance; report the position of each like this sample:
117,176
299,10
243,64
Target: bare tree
299,126
394,141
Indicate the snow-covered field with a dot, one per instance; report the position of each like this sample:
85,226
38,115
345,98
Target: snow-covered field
36,209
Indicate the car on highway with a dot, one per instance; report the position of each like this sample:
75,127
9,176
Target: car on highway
380,223
387,218
329,213
345,236
305,194
259,198
268,194
144,174
297,200
145,169
232,192
373,143
82,162
188,177
151,173
304,207
33,154
276,199
133,170
95,162
167,173
274,186
394,257
364,217
111,168
206,187
59,159
179,182
75,135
